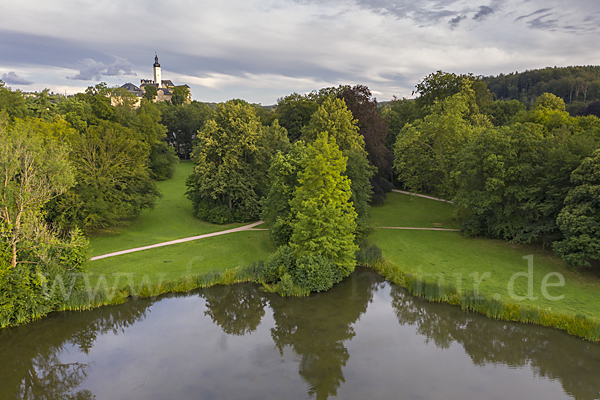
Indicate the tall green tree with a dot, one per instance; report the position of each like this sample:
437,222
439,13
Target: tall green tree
580,218
427,150
283,180
224,185
181,94
498,178
12,102
334,117
113,180
374,129
34,170
324,218
183,123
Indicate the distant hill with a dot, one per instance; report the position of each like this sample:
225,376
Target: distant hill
577,85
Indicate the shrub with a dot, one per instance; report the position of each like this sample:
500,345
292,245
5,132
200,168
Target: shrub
279,263
316,273
286,286
367,255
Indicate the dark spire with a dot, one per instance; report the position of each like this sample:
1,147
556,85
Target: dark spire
156,64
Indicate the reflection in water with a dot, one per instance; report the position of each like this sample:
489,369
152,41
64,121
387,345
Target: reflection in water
550,353
237,309
317,327
29,365
35,363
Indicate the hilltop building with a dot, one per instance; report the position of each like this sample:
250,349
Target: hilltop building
164,86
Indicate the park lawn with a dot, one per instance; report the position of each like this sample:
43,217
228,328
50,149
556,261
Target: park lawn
403,210
436,254
198,257
172,218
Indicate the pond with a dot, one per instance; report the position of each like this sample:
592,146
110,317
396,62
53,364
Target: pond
365,338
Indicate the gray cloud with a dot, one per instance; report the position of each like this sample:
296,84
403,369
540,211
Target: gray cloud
121,66
540,11
483,12
90,69
13,79
456,20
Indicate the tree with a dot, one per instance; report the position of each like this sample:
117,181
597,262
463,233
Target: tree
294,112
283,180
181,94
113,181
373,128
498,183
579,220
324,218
162,158
150,93
34,170
427,150
440,85
224,184
183,123
41,105
99,98
13,103
333,117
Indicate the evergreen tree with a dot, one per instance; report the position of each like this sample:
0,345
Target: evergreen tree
324,218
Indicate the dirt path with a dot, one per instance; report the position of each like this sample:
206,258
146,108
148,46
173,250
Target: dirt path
187,239
419,229
421,195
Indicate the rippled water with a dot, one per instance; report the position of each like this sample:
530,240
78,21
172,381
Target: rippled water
364,339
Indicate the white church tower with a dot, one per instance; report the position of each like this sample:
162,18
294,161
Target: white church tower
157,75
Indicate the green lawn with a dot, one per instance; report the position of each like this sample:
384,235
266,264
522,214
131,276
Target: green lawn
433,254
412,211
217,253
172,218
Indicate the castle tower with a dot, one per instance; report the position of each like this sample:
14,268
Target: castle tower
157,75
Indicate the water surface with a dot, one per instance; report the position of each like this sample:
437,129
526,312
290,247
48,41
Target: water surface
365,338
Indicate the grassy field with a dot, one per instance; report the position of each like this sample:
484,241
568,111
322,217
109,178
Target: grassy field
198,257
412,211
464,261
172,218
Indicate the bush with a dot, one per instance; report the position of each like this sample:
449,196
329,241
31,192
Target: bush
316,273
286,286
279,263
367,255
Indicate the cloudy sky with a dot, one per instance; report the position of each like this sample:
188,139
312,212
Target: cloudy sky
260,50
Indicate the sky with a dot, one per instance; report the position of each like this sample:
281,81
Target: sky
262,50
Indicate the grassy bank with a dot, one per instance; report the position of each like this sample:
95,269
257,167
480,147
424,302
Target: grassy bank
169,263
172,218
492,269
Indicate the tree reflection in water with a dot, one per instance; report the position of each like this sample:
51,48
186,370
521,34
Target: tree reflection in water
315,327
29,363
237,310
550,353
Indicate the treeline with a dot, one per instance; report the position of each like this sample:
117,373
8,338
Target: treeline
70,165
576,86
528,176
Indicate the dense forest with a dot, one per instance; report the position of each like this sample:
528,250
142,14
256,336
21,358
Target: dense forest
520,169
576,86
